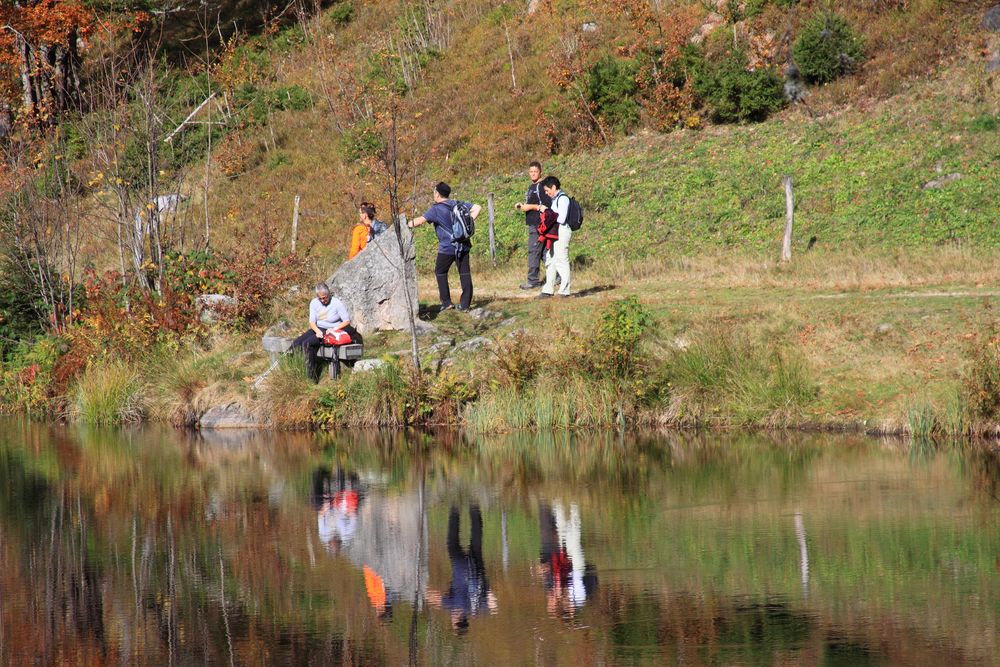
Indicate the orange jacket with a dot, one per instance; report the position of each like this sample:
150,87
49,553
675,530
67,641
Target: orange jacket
359,239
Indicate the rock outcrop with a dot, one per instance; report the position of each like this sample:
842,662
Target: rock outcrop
372,285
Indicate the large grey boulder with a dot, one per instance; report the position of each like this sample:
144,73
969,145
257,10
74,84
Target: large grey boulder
372,285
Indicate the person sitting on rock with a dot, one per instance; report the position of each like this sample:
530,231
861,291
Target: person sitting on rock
325,314
368,228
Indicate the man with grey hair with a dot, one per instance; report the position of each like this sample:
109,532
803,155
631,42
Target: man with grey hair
326,313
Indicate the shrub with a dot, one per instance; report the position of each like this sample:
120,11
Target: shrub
381,398
620,328
981,383
827,48
518,360
26,376
611,91
289,395
736,94
108,392
342,13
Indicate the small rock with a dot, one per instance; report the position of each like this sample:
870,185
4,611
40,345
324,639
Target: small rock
883,329
278,339
437,348
444,339
681,342
993,64
589,26
367,365
480,314
509,322
473,344
211,306
232,415
941,182
991,21
424,328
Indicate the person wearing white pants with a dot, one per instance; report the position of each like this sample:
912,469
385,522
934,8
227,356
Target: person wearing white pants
557,259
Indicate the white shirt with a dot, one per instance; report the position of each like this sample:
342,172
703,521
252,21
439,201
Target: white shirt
560,204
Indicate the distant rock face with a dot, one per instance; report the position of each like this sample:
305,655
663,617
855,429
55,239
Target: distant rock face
372,285
991,21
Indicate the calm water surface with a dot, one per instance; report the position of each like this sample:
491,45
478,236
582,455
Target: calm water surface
157,547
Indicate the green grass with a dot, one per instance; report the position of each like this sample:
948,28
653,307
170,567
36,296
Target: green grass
858,180
109,392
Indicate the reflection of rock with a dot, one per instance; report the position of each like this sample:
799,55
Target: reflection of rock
372,285
388,540
231,415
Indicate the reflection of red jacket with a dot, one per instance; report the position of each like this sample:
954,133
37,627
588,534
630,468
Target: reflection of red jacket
561,566
548,228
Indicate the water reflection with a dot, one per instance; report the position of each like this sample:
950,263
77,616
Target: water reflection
157,547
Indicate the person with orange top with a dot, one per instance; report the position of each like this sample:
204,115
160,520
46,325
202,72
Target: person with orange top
368,228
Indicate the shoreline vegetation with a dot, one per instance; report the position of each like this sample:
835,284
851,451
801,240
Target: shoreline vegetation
844,343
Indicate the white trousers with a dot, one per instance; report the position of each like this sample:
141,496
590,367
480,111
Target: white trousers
557,262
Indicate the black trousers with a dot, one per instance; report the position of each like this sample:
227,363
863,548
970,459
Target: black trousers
308,344
441,268
536,251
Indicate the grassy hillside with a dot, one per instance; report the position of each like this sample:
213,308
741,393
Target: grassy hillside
920,107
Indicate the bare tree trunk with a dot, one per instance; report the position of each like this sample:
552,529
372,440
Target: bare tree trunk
392,159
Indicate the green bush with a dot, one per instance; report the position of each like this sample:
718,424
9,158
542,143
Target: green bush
620,328
828,47
735,94
341,13
982,382
611,90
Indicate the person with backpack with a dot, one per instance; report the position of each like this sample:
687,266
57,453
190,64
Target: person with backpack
569,218
368,228
531,207
454,224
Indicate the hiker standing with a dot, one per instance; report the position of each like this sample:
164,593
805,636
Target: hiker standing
557,258
535,199
452,220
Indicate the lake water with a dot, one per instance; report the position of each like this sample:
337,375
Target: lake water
160,547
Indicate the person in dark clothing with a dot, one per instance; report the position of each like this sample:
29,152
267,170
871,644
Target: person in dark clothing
449,251
325,314
534,200
469,592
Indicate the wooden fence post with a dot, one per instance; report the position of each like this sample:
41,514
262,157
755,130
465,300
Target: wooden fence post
786,245
295,223
493,238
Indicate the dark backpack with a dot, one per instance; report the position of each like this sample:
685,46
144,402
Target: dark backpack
574,217
463,226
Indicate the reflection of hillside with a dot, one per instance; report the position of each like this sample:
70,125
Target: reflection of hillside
190,547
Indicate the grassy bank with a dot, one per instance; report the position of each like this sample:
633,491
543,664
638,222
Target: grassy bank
899,343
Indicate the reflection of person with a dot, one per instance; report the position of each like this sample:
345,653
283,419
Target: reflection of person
336,505
469,593
567,578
